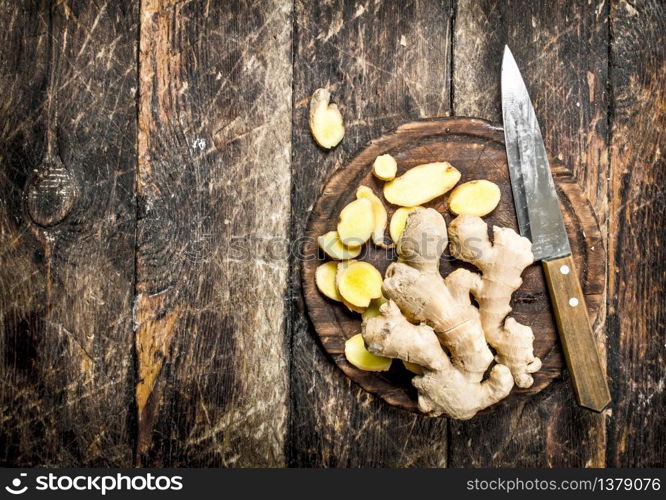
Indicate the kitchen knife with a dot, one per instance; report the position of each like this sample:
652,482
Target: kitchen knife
540,220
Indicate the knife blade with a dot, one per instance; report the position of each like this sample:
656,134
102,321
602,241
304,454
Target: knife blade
540,220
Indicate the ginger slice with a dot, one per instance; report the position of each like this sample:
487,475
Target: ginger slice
379,212
421,184
356,223
331,245
413,367
385,167
357,354
373,309
399,220
478,198
358,282
326,122
325,280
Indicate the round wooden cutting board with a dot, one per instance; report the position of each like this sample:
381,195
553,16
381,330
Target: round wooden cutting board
476,148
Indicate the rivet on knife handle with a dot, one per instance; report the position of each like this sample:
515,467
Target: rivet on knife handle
580,349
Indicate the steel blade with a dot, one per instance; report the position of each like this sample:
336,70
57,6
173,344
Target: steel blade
537,204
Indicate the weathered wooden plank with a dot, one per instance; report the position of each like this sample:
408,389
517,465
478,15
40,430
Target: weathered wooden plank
67,223
637,303
561,48
386,63
213,196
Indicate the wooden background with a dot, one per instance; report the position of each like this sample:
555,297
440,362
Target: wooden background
156,173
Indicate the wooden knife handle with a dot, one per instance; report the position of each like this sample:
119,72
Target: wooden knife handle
580,350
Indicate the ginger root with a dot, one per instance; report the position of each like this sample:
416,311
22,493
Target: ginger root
421,184
431,321
501,263
474,198
385,167
379,212
326,122
331,245
361,358
358,283
356,223
443,387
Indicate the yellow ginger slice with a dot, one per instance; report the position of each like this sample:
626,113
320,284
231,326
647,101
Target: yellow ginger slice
325,280
356,223
399,220
421,184
413,367
357,354
353,308
379,212
331,245
385,167
326,122
358,282
478,198
373,310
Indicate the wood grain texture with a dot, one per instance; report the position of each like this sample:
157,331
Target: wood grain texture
637,293
222,176
354,49
476,148
588,376
67,222
561,48
213,196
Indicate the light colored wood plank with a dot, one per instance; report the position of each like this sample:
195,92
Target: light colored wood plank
213,192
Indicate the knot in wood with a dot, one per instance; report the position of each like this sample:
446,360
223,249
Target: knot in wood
50,193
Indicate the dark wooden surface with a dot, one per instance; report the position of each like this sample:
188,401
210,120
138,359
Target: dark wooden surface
476,148
157,174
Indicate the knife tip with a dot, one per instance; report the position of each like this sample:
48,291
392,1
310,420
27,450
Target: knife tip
507,54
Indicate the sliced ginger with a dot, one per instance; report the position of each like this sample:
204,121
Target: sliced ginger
373,309
379,212
358,283
325,280
478,198
357,223
421,184
413,367
326,122
385,167
399,220
357,354
330,243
